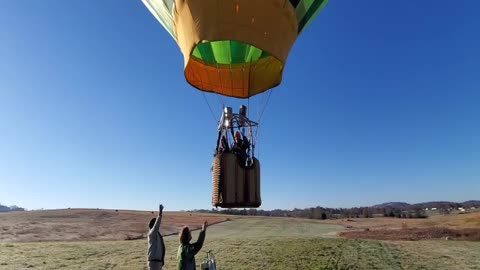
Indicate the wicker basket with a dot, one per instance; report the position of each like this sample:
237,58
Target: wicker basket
235,186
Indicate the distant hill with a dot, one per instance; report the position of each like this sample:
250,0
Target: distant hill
398,205
436,204
4,208
471,203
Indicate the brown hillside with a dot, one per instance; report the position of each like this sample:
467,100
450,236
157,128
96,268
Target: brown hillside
89,224
453,226
452,221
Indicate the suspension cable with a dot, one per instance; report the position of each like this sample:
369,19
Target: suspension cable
261,114
265,106
248,110
211,111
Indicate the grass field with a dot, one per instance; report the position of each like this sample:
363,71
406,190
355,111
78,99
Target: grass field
253,243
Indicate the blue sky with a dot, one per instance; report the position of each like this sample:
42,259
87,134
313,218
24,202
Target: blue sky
378,103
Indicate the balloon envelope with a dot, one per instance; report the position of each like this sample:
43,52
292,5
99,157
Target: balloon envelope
235,48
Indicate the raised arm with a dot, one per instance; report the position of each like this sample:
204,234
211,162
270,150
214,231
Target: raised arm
201,238
156,227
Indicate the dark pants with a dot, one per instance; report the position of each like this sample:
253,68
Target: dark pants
155,265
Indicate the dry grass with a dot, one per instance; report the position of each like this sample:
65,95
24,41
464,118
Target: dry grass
453,226
88,224
452,221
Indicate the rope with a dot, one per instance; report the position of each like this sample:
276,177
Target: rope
211,111
265,106
248,109
259,118
220,101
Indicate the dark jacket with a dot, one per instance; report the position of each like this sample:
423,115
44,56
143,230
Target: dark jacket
240,149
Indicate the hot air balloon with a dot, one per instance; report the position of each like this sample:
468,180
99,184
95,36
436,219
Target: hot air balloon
236,49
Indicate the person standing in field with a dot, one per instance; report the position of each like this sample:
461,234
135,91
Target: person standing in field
156,246
186,251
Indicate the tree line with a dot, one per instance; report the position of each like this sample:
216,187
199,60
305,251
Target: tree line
324,213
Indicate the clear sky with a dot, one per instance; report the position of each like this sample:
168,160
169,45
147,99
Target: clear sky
379,102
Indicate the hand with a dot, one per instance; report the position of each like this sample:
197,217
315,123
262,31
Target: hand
204,226
160,209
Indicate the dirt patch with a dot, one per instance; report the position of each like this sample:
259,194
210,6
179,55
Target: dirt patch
415,234
452,221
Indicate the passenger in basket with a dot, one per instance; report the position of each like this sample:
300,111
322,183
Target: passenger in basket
240,147
224,145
